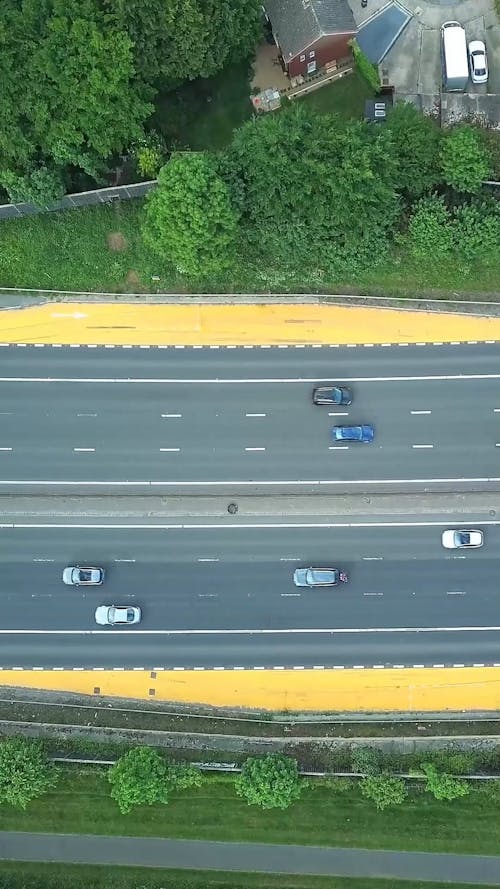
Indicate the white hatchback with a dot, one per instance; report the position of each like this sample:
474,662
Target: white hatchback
110,615
462,539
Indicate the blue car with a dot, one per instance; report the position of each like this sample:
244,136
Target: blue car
353,433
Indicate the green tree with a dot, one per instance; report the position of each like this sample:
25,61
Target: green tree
272,781
144,777
384,790
313,190
184,39
367,69
25,773
430,232
417,139
75,99
189,220
442,786
465,159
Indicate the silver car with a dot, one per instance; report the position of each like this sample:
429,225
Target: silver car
462,539
110,615
318,577
78,576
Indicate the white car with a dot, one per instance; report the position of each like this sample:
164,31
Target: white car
78,576
478,62
109,615
462,539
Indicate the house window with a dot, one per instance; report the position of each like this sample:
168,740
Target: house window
303,57
312,54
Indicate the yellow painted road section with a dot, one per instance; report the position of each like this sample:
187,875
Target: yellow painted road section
256,324
411,690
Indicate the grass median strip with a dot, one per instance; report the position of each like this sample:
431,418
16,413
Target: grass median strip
78,876
325,816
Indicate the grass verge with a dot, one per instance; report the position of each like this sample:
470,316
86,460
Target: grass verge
100,249
78,876
81,803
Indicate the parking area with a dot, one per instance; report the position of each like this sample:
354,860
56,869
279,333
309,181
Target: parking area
413,63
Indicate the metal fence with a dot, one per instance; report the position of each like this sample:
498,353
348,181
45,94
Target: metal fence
81,199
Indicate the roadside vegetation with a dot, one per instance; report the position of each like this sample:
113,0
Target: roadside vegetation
147,794
366,210
73,876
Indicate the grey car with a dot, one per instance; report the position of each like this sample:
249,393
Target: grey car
77,576
332,395
317,577
110,615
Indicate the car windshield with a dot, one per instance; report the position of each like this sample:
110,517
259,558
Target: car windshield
464,537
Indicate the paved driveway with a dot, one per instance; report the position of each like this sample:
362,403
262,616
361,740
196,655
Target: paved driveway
249,857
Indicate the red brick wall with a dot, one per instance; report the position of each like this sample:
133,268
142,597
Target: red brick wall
326,49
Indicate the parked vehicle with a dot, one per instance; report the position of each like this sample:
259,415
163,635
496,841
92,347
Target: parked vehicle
319,577
110,615
478,62
78,576
462,539
332,395
353,433
454,61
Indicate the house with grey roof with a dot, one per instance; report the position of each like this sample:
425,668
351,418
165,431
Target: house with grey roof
311,34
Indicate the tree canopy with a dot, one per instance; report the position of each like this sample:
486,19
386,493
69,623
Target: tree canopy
272,781
25,773
69,92
189,220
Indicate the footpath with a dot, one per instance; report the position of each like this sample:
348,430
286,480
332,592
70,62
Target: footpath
250,858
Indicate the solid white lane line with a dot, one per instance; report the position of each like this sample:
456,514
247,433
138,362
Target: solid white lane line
169,450
422,446
83,450
255,449
181,526
331,631
245,380
419,413
188,483
171,416
255,415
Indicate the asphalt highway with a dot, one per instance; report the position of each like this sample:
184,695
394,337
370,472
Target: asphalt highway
221,593
240,419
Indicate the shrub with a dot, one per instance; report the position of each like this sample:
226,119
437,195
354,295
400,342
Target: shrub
465,159
25,773
476,231
384,790
271,781
367,69
144,777
430,232
443,786
366,760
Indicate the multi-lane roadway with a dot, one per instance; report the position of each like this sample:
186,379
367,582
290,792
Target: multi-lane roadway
236,419
219,593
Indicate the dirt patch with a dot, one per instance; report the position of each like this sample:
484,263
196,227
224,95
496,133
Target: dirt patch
133,283
116,242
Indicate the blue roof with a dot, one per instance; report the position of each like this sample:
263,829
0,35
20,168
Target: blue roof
377,36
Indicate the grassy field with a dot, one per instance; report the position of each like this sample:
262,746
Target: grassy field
63,876
82,804
100,249
345,96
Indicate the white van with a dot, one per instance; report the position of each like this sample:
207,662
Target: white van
454,59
